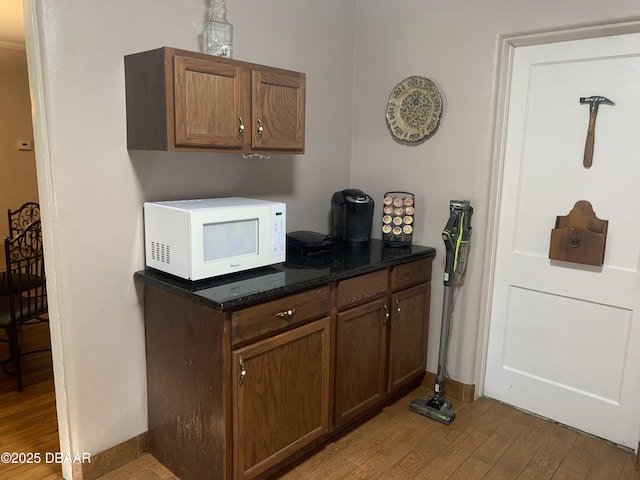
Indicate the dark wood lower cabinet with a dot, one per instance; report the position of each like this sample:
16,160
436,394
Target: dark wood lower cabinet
280,397
361,345
188,406
381,341
408,335
238,395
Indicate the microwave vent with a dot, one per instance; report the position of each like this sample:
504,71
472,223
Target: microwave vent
160,252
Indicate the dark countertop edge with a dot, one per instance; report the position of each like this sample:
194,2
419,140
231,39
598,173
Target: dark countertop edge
180,287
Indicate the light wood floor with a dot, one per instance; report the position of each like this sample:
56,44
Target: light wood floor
487,441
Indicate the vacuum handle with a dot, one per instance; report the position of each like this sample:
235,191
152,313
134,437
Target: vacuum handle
447,235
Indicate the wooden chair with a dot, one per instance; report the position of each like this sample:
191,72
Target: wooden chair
21,218
26,301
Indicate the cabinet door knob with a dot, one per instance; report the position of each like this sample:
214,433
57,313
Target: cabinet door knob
241,127
287,314
243,372
260,129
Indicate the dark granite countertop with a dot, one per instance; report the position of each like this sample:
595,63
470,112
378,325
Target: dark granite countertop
239,290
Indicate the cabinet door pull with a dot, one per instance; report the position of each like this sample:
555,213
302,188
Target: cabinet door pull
260,129
397,306
243,372
287,314
241,127
386,313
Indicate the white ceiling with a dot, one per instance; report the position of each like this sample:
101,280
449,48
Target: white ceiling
11,22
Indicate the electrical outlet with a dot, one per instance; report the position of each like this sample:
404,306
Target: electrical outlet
25,145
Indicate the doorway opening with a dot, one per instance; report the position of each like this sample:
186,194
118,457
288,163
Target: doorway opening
30,421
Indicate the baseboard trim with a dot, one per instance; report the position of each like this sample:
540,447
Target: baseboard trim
463,392
112,458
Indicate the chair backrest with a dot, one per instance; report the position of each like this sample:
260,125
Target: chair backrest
22,217
26,278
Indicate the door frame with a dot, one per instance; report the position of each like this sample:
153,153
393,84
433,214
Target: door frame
506,49
35,50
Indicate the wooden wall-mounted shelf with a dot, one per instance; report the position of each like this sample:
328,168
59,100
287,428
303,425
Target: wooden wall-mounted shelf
579,237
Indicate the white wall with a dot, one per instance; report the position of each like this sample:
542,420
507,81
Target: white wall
455,44
92,188
17,167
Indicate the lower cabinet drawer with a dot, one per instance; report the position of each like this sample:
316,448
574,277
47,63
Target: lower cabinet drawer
354,291
411,273
278,315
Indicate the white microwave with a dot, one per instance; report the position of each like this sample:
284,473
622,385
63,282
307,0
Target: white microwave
204,238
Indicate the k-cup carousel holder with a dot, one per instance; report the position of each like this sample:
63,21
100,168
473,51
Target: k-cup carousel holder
398,213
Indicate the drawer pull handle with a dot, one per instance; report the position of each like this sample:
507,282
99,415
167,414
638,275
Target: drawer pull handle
287,314
243,372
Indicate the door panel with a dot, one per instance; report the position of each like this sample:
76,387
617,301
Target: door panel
207,103
280,394
361,360
564,338
578,327
279,108
408,335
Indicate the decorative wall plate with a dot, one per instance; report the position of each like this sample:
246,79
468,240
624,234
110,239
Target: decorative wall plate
414,109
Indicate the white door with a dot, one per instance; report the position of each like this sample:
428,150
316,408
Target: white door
564,338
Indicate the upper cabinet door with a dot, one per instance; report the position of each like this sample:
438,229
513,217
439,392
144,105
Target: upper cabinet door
278,107
207,103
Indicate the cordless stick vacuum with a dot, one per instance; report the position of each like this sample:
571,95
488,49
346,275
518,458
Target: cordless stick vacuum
456,236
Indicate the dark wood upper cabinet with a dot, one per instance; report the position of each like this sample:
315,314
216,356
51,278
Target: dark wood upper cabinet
186,101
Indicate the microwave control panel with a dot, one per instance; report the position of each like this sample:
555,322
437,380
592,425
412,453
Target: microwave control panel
278,232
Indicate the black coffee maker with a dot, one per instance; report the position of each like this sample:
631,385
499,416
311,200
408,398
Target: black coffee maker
351,217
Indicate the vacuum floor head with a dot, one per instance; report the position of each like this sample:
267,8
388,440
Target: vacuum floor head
441,412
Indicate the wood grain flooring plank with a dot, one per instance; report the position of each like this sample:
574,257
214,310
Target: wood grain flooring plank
497,444
338,469
607,463
471,469
321,459
544,464
564,473
630,469
521,451
380,466
456,454
587,454
417,461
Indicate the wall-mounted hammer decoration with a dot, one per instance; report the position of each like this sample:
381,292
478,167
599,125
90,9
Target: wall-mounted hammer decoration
593,102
